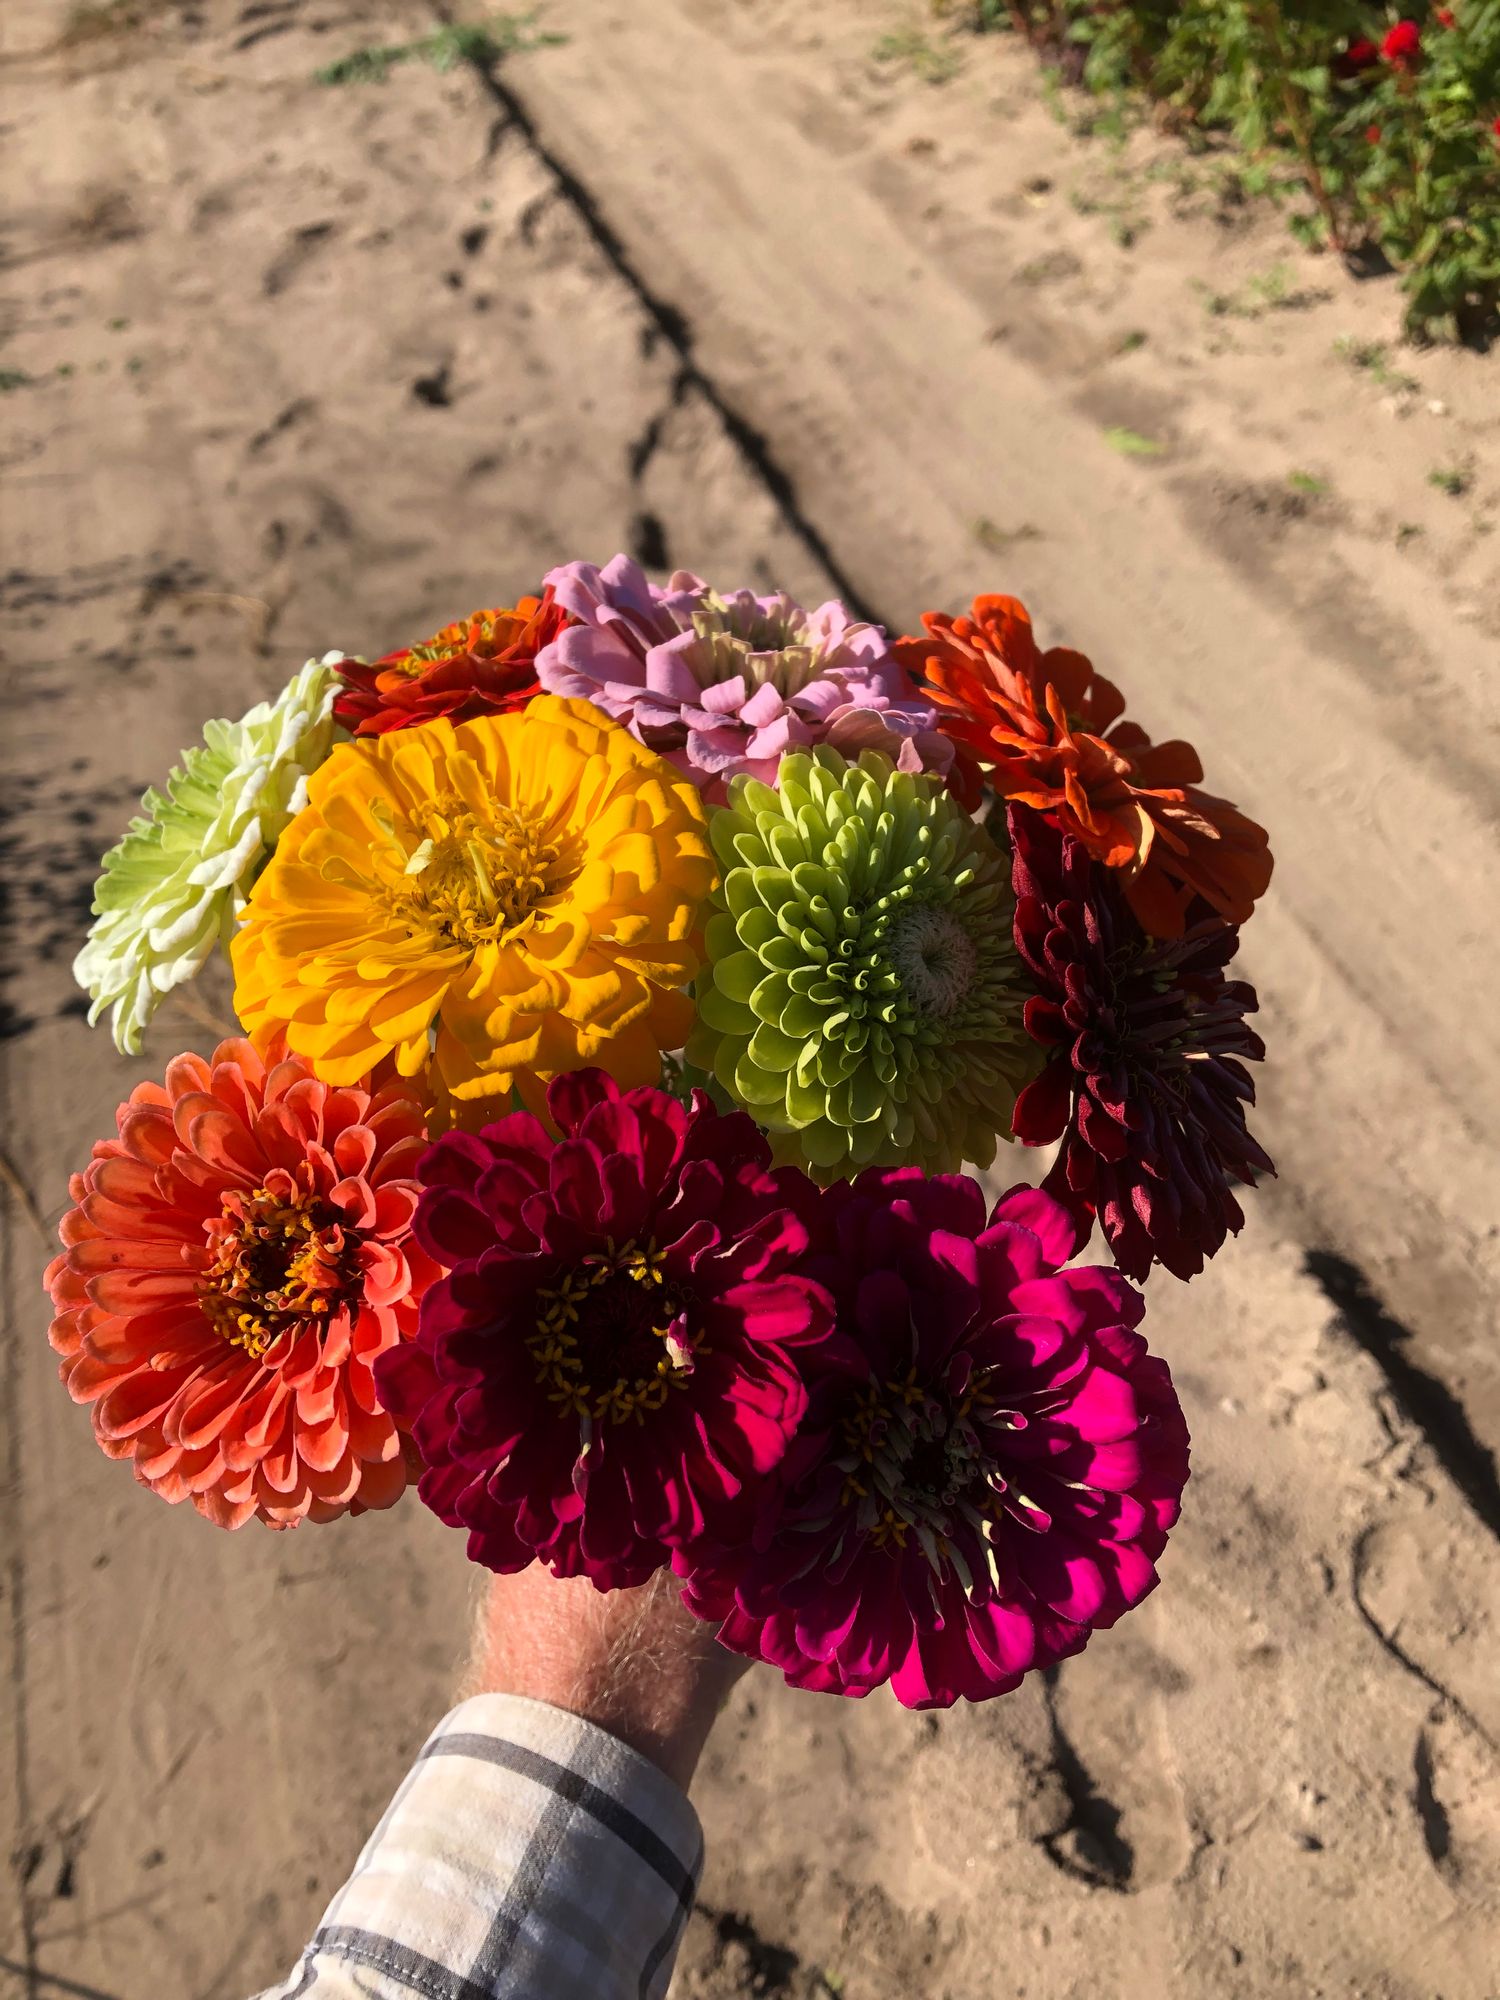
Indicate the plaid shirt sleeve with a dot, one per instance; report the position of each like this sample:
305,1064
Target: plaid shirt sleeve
528,1855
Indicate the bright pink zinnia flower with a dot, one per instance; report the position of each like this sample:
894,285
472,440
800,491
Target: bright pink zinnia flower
721,685
990,1463
610,1369
236,1259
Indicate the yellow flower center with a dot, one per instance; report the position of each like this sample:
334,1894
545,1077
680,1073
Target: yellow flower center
279,1258
611,1340
473,880
484,634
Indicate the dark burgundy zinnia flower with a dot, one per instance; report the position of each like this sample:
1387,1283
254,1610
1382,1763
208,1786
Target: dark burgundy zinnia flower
1145,1081
608,1370
1357,58
990,1463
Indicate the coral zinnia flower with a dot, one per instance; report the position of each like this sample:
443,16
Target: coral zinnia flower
723,685
484,665
1146,1043
238,1257
989,1465
865,1003
609,1371
173,889
528,884
1046,728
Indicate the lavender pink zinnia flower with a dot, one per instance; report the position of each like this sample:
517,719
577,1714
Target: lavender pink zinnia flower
1146,1042
989,1465
609,1370
721,685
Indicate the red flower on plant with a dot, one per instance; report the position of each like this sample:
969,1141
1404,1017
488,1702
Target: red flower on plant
1146,1042
1360,55
484,665
1402,47
1047,730
990,1464
237,1258
1446,18
611,1368
1372,135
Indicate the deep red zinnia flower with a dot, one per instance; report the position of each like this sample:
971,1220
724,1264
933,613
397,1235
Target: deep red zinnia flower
1145,1080
610,1369
237,1258
1358,57
483,665
1402,47
990,1464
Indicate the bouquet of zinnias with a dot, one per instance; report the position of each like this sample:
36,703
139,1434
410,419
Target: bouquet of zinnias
626,979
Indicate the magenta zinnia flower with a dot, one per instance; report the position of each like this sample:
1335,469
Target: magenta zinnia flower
609,1370
990,1463
1145,1082
721,685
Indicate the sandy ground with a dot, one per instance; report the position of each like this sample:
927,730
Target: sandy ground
290,367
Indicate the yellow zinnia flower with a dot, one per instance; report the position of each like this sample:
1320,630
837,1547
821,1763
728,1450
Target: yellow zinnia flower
529,883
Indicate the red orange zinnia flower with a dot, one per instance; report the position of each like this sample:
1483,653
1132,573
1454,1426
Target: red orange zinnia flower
483,665
1402,47
1046,729
239,1255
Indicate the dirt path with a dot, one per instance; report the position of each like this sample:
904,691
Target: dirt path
302,367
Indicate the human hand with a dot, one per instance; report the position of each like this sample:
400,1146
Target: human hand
636,1662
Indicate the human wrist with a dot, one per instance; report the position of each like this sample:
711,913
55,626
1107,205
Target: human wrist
633,1662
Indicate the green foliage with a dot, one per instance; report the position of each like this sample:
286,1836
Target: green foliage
933,62
1371,357
1398,154
1130,444
1454,480
463,41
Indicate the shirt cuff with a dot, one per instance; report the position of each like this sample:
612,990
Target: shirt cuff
528,1855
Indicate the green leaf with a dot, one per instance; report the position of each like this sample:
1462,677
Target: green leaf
1130,444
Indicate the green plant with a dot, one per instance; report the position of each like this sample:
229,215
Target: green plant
1308,483
999,540
1371,356
1130,444
1454,480
14,378
462,41
1386,133
933,62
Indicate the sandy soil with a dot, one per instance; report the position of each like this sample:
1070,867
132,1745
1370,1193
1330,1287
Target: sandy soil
289,367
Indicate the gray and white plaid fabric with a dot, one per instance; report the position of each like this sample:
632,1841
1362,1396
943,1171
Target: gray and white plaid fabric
526,1856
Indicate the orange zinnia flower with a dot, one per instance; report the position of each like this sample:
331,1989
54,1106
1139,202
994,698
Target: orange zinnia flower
1046,730
483,665
236,1259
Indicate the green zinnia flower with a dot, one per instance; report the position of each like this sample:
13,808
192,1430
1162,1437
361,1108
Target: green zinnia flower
174,887
864,999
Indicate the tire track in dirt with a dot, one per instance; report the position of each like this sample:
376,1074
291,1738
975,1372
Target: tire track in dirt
673,326
805,436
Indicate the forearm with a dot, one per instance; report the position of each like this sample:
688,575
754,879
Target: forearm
542,1847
